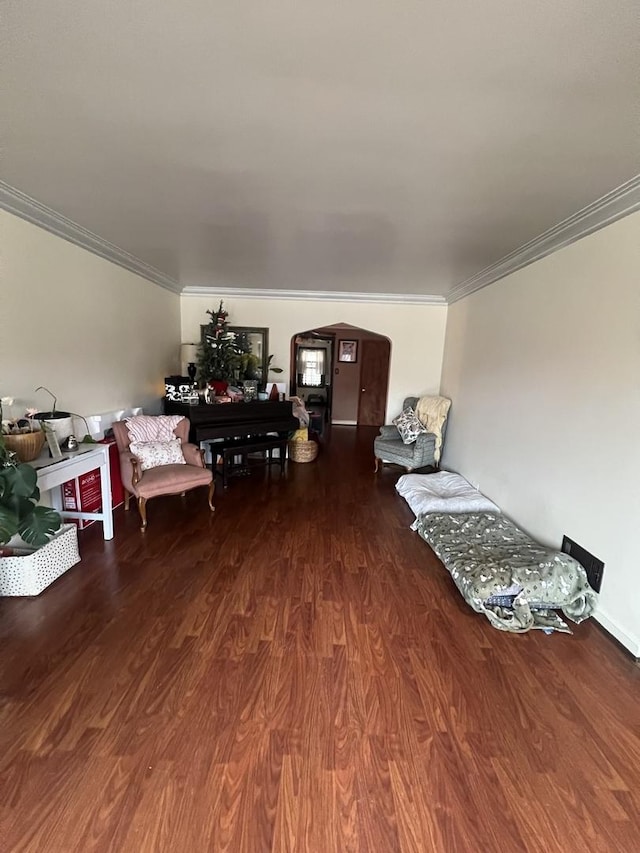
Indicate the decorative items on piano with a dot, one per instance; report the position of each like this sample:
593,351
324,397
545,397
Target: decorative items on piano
212,396
180,388
250,389
230,364
189,356
184,388
227,367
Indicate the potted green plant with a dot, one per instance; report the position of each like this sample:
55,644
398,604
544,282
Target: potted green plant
219,355
60,422
46,548
272,369
22,435
19,495
35,423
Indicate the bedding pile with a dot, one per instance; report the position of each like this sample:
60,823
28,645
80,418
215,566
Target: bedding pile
501,572
442,492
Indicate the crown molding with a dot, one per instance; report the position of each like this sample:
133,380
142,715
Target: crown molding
616,204
315,295
20,204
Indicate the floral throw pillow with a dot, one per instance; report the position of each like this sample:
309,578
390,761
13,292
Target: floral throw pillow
409,426
152,454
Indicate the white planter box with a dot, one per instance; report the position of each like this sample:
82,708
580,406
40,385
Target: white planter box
31,573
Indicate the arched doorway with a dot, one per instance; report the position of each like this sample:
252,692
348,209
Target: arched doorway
345,370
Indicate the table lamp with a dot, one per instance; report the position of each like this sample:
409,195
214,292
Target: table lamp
189,355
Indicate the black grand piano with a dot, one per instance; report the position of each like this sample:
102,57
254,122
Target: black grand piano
235,420
238,429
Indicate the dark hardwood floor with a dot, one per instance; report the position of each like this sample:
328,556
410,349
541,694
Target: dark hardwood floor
298,672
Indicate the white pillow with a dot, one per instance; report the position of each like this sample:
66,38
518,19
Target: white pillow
443,491
153,454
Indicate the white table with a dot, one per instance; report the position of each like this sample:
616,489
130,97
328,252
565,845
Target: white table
52,473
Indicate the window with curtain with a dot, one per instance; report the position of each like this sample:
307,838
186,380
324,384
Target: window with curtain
311,366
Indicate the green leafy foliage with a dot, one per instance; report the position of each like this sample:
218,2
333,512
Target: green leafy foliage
39,525
19,495
272,369
220,355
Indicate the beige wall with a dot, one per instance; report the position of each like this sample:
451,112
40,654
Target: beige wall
100,337
544,371
416,333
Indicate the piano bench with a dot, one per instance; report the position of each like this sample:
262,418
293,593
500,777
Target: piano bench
229,448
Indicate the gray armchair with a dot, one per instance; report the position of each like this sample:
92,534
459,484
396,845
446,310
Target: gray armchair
389,447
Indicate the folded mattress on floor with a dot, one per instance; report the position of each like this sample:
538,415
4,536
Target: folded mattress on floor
505,574
443,491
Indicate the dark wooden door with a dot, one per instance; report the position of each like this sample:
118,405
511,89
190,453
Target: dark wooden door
374,382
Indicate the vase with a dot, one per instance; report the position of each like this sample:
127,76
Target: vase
274,393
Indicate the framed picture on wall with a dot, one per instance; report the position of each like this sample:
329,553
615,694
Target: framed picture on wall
348,351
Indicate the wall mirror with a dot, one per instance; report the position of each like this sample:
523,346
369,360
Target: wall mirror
258,337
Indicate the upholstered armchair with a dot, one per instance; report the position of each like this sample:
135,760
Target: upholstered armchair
421,453
165,479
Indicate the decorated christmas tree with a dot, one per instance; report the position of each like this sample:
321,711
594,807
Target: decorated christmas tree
220,353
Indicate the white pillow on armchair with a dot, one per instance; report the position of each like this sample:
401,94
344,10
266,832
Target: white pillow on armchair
153,454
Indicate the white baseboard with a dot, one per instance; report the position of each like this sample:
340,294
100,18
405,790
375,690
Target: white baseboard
627,640
345,423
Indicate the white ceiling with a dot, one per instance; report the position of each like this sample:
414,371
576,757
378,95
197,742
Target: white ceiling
386,147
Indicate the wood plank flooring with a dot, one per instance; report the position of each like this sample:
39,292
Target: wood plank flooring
298,673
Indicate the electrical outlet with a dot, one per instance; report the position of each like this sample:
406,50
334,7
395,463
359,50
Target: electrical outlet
592,565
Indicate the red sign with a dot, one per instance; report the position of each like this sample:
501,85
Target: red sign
85,495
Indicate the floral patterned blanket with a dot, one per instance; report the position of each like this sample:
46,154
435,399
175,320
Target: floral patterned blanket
501,572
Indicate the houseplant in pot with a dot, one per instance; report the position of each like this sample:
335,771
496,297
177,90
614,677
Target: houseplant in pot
219,354
21,436
60,422
19,494
46,548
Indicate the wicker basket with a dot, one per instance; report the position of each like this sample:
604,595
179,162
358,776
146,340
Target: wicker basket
26,445
303,451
